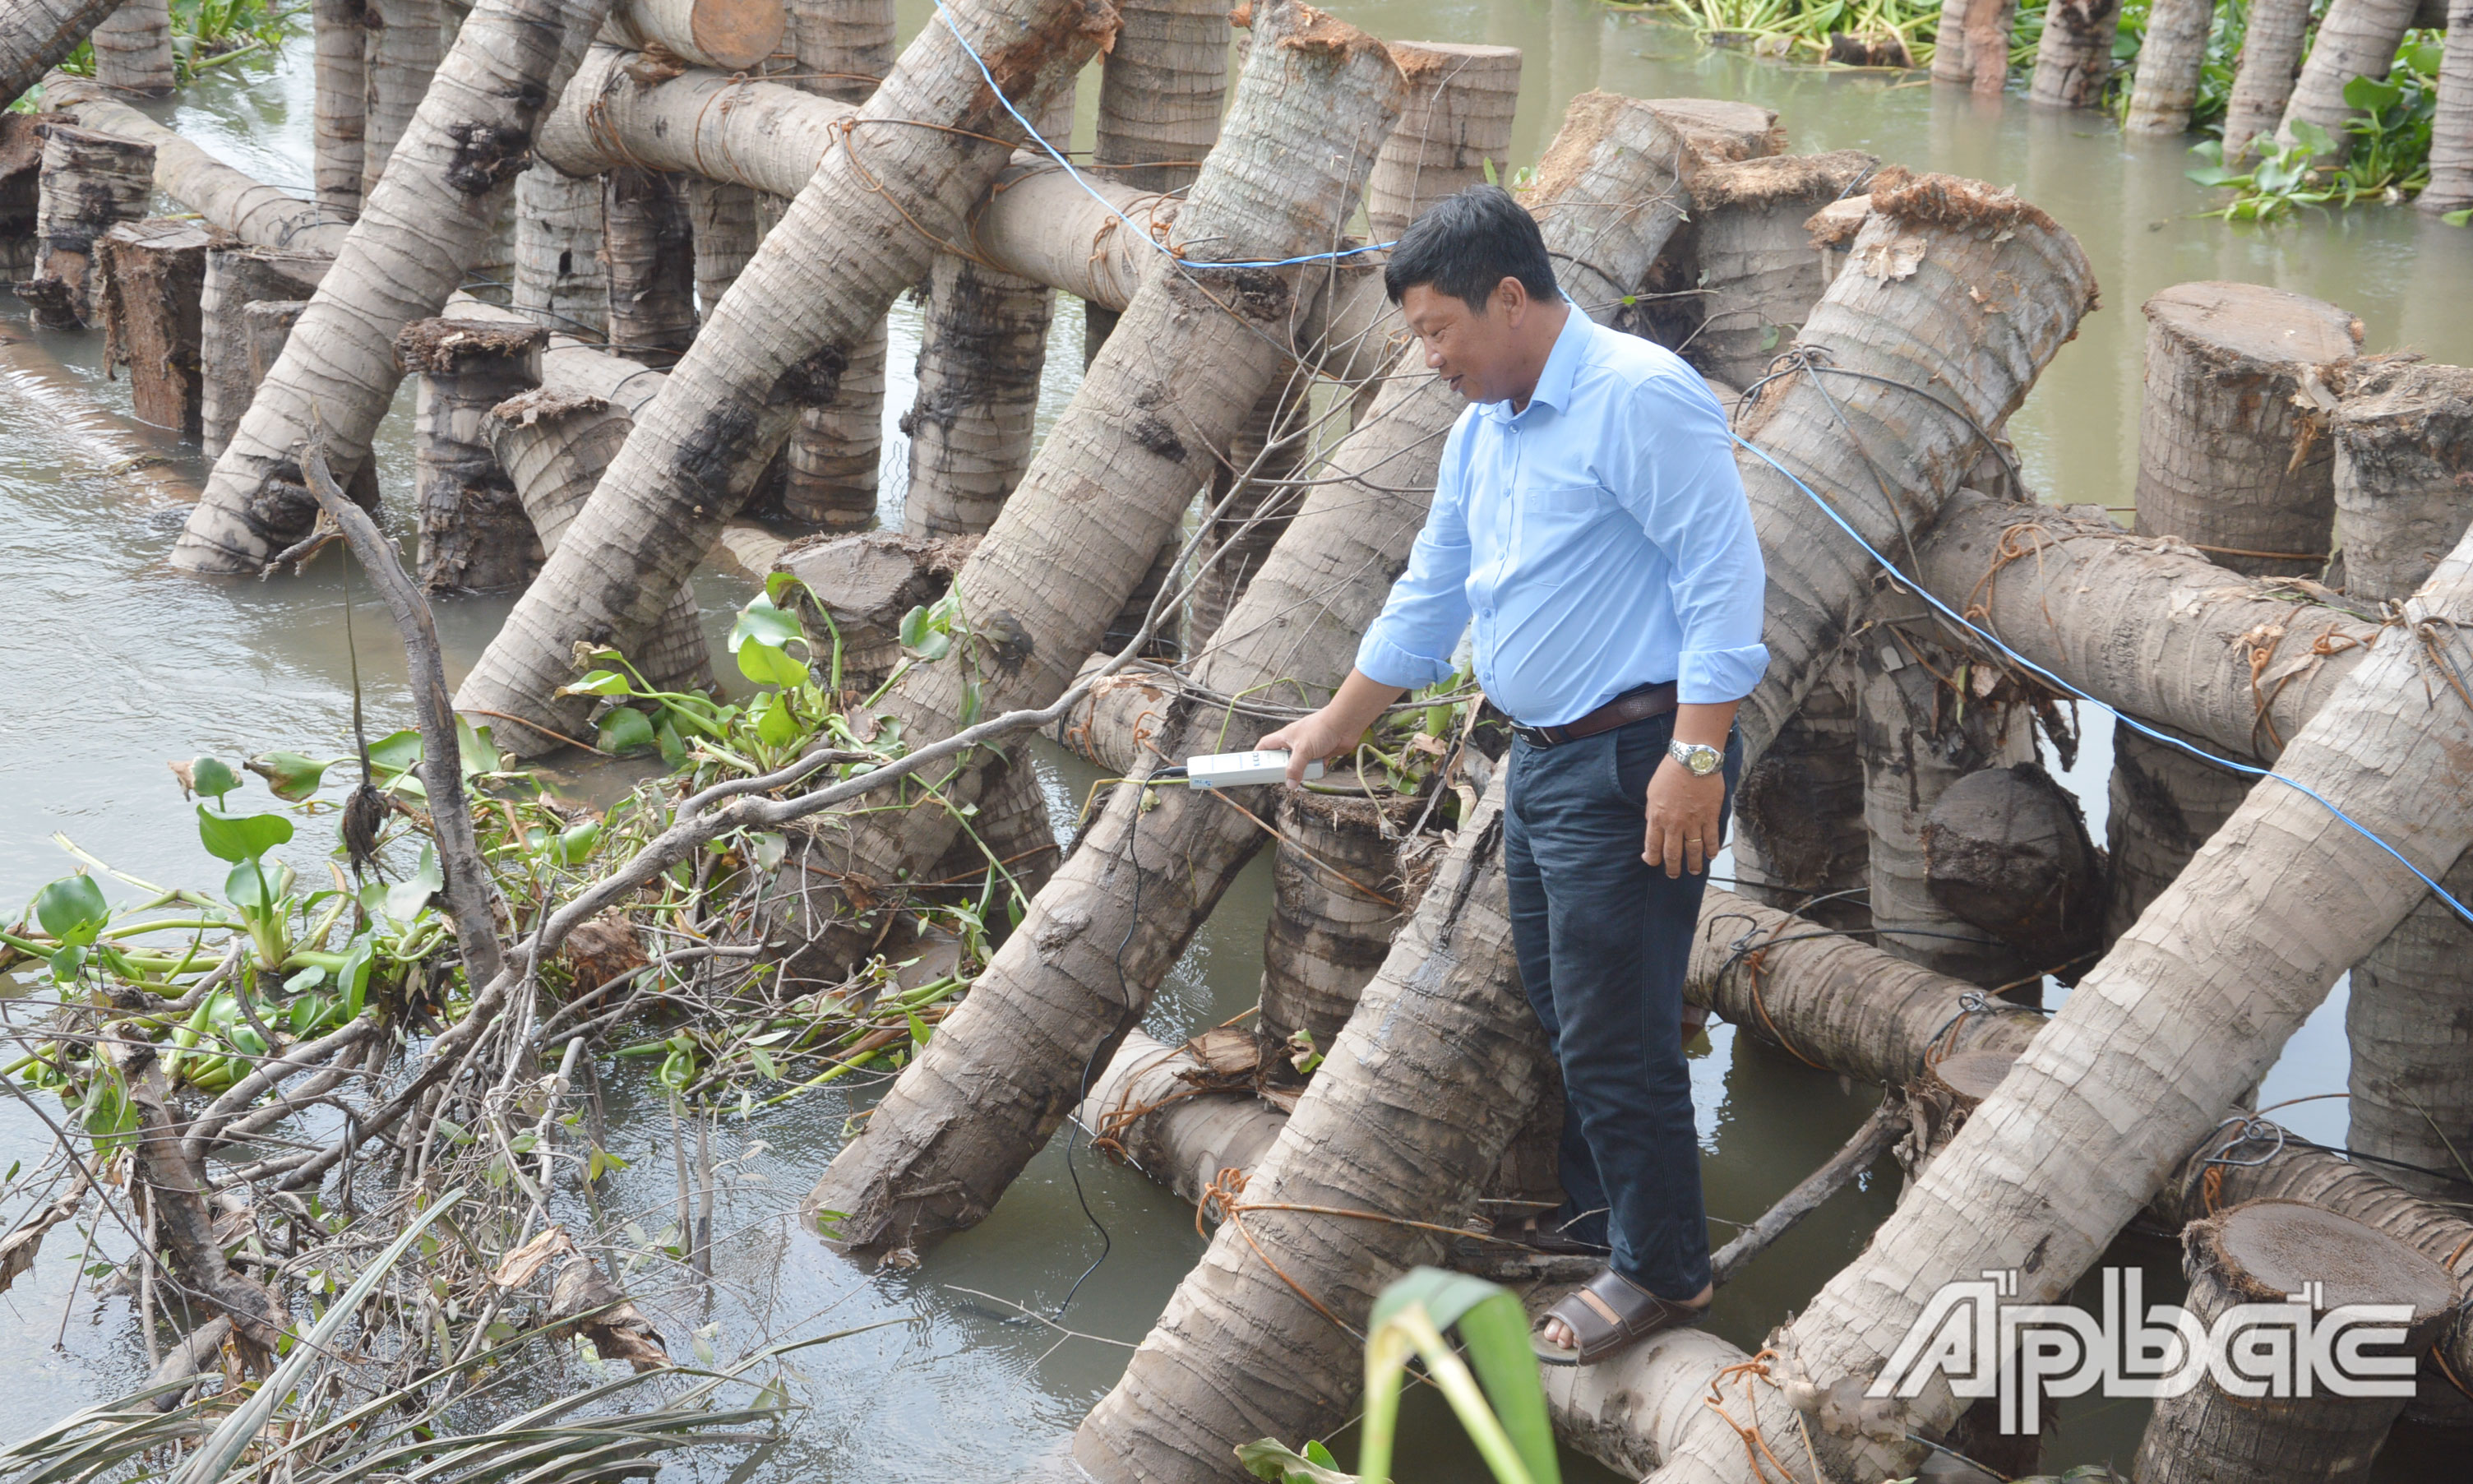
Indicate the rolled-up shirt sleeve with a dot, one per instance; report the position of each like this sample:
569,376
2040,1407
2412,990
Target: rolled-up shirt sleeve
1675,473
1410,644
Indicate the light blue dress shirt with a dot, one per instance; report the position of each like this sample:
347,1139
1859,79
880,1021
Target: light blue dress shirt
1599,539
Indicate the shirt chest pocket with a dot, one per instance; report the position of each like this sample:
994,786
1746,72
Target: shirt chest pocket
1553,521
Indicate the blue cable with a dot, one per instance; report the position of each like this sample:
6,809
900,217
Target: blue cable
2131,722
1140,232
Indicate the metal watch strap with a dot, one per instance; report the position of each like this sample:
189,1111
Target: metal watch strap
1690,754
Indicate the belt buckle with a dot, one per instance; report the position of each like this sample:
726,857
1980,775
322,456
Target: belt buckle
1534,736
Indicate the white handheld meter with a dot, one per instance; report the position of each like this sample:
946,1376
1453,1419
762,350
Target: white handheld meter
1235,770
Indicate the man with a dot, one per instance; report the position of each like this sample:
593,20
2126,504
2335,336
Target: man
1589,518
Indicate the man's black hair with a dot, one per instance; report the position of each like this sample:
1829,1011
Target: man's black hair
1466,245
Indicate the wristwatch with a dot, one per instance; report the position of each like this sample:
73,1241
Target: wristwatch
1699,758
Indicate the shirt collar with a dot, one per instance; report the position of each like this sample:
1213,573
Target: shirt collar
1562,364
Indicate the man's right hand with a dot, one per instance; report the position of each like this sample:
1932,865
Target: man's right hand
1315,739
1336,728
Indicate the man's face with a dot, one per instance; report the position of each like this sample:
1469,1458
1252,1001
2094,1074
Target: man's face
1476,353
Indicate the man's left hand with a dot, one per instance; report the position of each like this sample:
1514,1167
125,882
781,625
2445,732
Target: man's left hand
1683,816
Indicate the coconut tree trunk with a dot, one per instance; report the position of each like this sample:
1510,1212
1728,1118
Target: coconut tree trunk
2271,59
1800,844
1161,93
133,49
843,48
1334,905
2169,64
2261,1253
2451,130
37,34
858,234
1408,1115
2075,58
1919,728
1759,274
1460,103
2356,39
2155,630
419,231
1990,27
559,283
2403,458
555,445
1950,61
2184,1014
1250,503
722,218
648,259
1000,1075
981,347
340,40
406,48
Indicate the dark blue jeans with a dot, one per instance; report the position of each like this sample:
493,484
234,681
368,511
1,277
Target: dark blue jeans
1604,940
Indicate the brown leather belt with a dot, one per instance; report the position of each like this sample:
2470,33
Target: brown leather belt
1632,705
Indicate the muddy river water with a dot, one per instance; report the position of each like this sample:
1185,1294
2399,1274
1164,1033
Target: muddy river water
113,664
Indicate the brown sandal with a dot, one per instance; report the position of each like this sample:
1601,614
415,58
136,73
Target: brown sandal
1607,1313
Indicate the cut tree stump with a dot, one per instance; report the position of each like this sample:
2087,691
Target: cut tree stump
1461,99
2006,850
731,34
2268,1253
475,535
1759,276
1800,844
1920,729
236,277
89,183
2233,458
154,276
867,581
2403,493
1334,906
